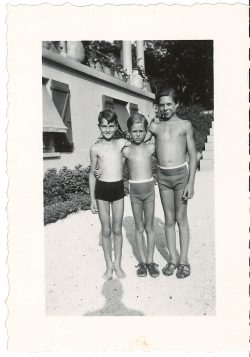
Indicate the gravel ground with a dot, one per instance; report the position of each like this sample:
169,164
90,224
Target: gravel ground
74,265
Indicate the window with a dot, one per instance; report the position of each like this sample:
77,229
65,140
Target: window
133,108
57,133
61,98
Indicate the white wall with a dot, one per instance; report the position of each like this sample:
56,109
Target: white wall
86,103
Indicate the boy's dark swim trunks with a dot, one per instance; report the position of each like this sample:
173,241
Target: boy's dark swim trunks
173,178
109,191
142,192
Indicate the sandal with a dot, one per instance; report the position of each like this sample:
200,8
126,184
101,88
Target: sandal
152,269
183,271
169,269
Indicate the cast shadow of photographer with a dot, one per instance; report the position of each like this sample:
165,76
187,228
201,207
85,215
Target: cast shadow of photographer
113,292
160,240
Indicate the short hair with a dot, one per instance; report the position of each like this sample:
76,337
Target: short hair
169,92
109,115
137,119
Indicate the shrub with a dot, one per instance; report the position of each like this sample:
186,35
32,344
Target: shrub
201,123
58,186
60,210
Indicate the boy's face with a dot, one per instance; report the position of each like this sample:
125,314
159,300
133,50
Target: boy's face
108,129
167,107
137,133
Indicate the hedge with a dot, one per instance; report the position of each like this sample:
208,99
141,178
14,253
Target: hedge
58,186
201,123
66,191
60,210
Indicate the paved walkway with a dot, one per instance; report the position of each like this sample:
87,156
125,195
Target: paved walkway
74,265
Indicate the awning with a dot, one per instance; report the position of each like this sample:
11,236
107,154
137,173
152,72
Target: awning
52,122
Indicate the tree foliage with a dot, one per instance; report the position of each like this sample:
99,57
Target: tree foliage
188,65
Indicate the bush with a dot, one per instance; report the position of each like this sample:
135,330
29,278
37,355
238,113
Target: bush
59,186
201,123
60,210
67,191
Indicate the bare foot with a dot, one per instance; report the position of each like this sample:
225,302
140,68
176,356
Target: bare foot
119,272
108,275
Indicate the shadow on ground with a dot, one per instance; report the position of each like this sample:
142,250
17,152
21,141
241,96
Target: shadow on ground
113,292
160,240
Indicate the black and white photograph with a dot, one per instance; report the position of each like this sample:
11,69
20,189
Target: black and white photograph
128,181
127,196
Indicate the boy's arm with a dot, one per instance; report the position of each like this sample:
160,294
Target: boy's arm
125,152
125,143
189,190
92,179
152,128
151,148
148,136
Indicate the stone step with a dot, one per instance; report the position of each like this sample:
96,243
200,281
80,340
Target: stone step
210,139
206,165
209,146
211,131
207,155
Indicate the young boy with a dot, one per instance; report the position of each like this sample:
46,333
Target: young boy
142,194
108,190
174,139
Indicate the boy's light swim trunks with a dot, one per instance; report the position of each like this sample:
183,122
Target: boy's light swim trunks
142,191
173,178
109,191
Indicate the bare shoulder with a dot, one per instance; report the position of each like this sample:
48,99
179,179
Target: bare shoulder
94,148
123,142
186,124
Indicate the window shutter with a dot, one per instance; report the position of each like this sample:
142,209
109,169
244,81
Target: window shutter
61,98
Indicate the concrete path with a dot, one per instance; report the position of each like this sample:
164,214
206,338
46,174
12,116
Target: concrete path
74,265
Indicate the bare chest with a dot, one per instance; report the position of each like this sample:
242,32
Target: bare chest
171,132
138,154
110,153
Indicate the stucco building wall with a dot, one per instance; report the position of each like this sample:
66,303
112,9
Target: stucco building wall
87,88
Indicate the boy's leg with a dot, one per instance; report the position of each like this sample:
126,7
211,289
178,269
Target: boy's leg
117,216
182,221
104,216
140,243
137,210
149,209
168,204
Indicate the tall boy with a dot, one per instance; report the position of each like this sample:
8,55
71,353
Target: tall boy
174,139
108,190
142,194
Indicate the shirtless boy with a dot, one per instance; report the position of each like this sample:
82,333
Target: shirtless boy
174,139
107,192
142,194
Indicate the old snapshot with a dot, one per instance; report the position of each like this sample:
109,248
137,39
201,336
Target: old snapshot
127,196
128,177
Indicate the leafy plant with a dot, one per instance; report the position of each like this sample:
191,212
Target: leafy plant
60,210
58,185
201,122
